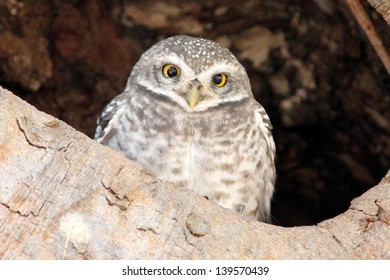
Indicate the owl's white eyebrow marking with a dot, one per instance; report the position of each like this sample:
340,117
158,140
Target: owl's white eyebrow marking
219,67
178,61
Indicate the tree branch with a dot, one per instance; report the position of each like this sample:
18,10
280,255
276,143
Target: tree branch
369,28
89,202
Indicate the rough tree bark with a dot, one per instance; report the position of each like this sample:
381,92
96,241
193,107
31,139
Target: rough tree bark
64,196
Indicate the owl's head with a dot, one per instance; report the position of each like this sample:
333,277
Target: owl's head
194,73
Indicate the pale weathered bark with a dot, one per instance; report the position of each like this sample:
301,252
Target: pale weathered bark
64,196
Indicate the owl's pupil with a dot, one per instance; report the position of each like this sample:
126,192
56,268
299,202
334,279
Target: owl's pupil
217,79
172,72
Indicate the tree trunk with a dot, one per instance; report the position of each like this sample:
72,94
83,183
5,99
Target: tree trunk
64,196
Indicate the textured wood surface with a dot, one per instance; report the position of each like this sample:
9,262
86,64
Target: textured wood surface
64,196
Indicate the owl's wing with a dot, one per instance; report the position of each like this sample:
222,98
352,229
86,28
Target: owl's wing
110,115
264,123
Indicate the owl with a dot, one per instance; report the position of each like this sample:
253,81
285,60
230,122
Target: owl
188,114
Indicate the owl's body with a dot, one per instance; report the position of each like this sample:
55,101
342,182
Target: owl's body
194,129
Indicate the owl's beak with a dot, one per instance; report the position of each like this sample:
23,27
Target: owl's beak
193,95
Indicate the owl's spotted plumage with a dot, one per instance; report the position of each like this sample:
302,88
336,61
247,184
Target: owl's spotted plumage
188,114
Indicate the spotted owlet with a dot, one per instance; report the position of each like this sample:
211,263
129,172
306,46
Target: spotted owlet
188,114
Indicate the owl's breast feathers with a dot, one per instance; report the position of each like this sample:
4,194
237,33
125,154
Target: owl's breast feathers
226,154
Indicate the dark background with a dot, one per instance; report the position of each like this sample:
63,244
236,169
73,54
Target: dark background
309,63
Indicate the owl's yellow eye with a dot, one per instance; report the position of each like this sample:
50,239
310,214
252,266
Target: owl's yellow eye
220,80
170,71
